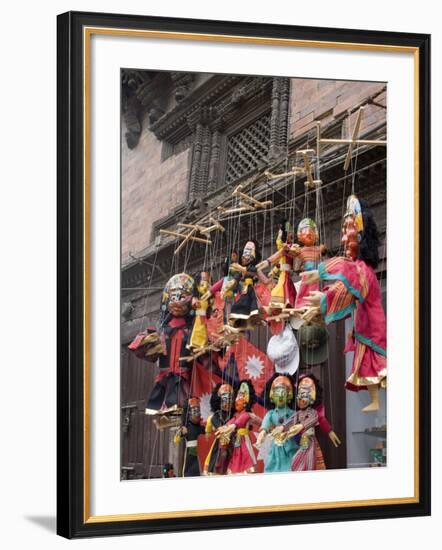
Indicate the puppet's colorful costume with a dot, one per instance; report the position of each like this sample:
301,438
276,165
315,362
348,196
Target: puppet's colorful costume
279,394
354,288
218,457
199,336
193,429
308,256
280,455
284,292
172,383
239,286
305,456
243,459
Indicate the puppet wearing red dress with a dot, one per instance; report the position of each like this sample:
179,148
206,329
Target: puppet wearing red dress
243,459
168,346
354,290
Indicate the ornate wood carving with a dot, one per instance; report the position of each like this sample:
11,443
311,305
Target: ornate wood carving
279,118
139,93
182,82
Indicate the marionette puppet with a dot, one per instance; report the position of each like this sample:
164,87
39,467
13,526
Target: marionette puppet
243,459
244,312
147,345
199,337
283,294
222,406
171,389
279,394
192,426
309,255
354,290
308,415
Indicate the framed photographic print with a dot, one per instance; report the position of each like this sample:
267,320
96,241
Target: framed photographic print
227,196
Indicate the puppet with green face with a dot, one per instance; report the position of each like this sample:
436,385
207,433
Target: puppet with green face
280,392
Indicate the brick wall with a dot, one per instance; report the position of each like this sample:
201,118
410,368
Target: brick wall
150,189
324,100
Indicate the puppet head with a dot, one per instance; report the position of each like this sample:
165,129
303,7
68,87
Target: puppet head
359,232
245,396
352,228
270,397
248,253
242,397
225,394
306,394
281,391
194,409
309,391
177,295
203,282
307,232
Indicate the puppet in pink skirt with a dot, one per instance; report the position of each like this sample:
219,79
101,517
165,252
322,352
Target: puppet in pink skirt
243,459
353,289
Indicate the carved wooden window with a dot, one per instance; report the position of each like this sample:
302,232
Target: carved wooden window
247,148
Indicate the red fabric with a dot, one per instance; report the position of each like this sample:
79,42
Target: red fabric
323,423
242,459
216,318
304,292
203,381
176,322
264,296
252,363
369,320
176,341
289,290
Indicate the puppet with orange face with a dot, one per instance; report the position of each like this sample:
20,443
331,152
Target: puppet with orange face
243,459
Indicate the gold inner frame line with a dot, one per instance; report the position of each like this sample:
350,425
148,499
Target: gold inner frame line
87,33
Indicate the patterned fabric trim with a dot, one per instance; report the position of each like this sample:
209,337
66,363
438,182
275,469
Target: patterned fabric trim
368,342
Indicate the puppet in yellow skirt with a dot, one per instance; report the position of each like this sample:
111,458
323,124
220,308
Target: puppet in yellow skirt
199,336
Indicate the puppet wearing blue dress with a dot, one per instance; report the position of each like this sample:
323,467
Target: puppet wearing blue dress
280,397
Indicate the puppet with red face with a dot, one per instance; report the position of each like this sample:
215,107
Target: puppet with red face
243,459
354,291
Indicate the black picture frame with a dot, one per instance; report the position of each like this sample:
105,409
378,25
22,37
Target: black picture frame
72,520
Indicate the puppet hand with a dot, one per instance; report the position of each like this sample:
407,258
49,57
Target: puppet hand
310,277
262,265
206,296
260,438
238,267
278,435
310,313
314,298
226,429
294,249
294,430
334,438
277,432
